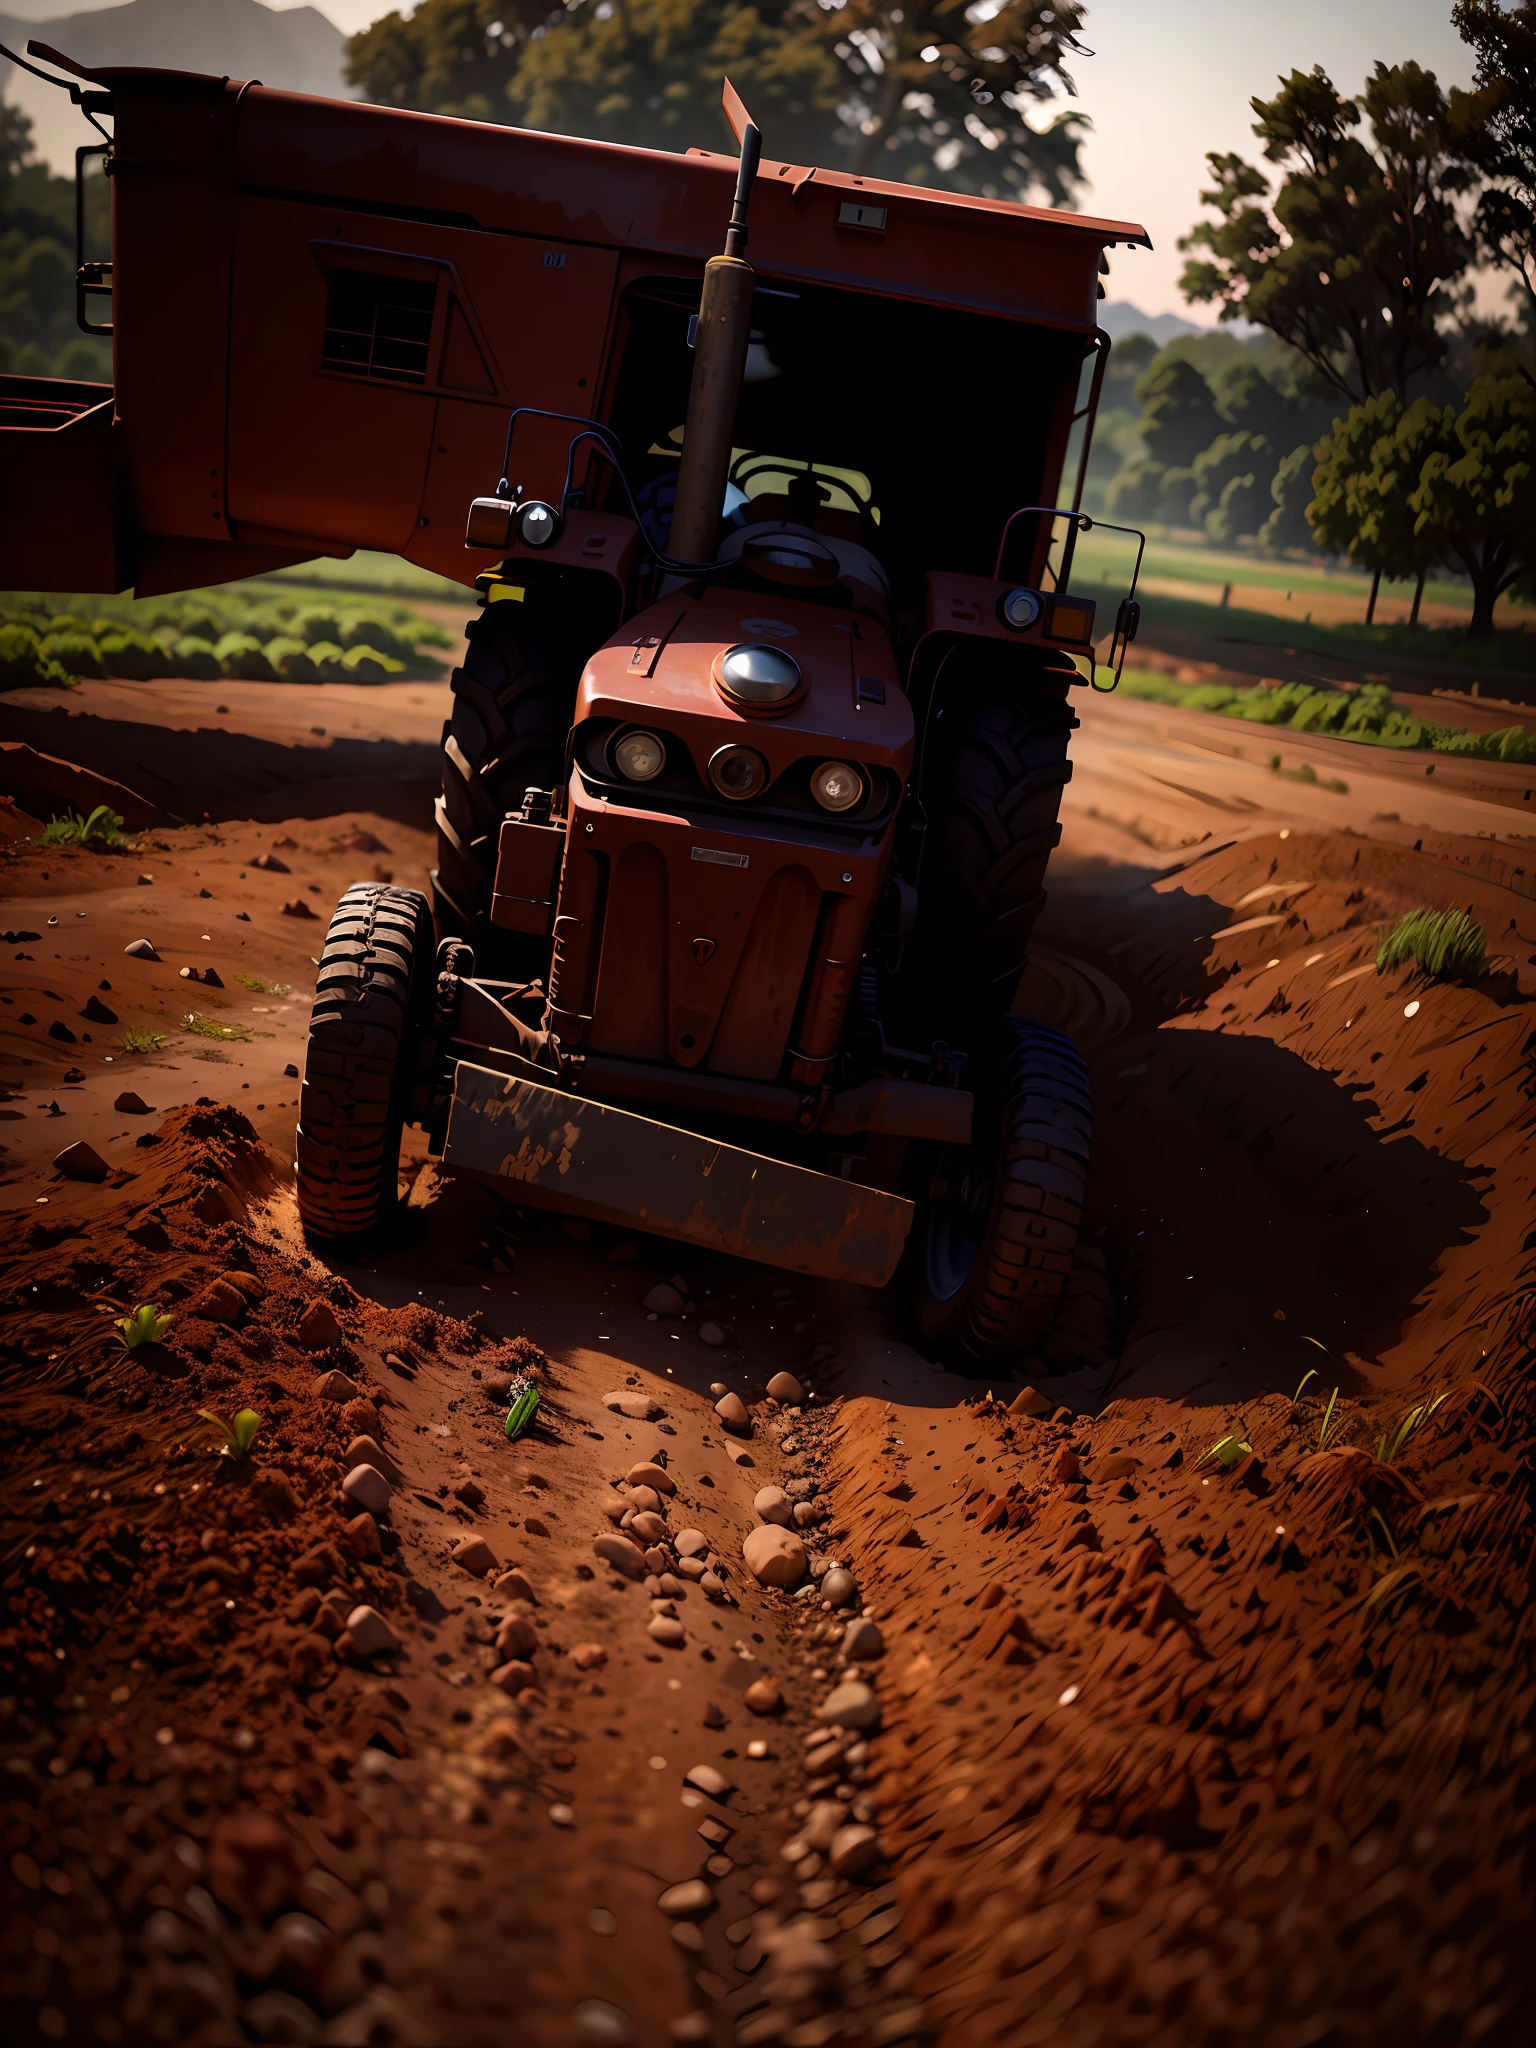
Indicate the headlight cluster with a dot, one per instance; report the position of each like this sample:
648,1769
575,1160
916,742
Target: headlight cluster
737,772
639,756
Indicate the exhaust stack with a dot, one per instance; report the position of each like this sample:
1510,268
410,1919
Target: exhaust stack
720,354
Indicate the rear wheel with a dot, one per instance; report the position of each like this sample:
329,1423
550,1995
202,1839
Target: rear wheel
993,1241
373,994
512,708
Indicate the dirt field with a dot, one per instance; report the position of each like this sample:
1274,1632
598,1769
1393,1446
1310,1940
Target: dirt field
1143,1745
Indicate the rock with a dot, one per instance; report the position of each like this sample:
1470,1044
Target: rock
705,1778
690,1900
862,1642
1030,1401
637,1406
712,1585
367,1485
360,1416
601,2025
663,1300
771,1504
290,1072
334,1386
588,1656
851,1705
774,1556
271,863
645,1500
853,1849
656,1559
763,1696
692,1568
622,1555
739,1455
673,1588
513,1585
1118,1465
371,1634
711,1333
1064,1467
297,907
840,1587
806,1514
367,1450
221,1301
652,1527
473,1554
733,1412
500,1740
81,1162
714,1717
318,1328
666,1630
361,1537
516,1637
717,1388
130,1104
655,1476
690,1543
96,1011
72,1075
60,1030
141,949
514,1677
822,1823
787,1390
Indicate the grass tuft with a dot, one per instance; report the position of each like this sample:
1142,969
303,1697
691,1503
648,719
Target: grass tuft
258,987
1446,944
136,1038
103,828
209,1027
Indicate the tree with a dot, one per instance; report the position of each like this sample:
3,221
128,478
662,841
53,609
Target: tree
1476,495
1504,39
1232,486
1290,493
919,92
1178,412
1351,261
1361,486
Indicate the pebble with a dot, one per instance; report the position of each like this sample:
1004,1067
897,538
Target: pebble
774,1556
367,1485
666,1630
787,1390
470,1492
692,1567
705,1778
516,1637
689,1900
637,1406
711,1333
739,1455
806,1516
713,1586
534,1526
131,1104
587,1656
651,1526
714,1717
690,1543
367,1450
717,1388
81,1162
513,1585
733,1412
840,1587
622,1555
562,1815
318,1328
334,1386
763,1696
851,1705
853,1849
371,1634
673,1588
1029,1401
821,1824
473,1554
863,1642
602,2024
141,949
515,1676
221,1301
771,1504
687,1936
663,1300
656,1559
655,1476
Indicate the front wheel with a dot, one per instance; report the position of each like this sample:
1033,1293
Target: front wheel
999,1219
372,995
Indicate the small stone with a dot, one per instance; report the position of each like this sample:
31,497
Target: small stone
851,1705
473,1554
711,1333
588,1656
334,1386
705,1778
603,2025
318,1328
562,1815
290,1072
1065,1467
821,1824
141,949
687,1936
367,1486
666,1630
840,1587
361,1537
663,1300
652,1527
1030,1401
690,1900
130,1104
622,1555
637,1406
712,1585
221,1301
690,1543
654,1476
863,1642
674,1589
714,1717
763,1696
81,1162
271,863
806,1514
97,1012
717,1388
534,1526
771,1504
367,1450
786,1390
692,1568
774,1556
739,1455
764,1891
733,1412
501,1740
297,907
516,1637
513,1585
470,1492
371,1634
853,1849
514,1677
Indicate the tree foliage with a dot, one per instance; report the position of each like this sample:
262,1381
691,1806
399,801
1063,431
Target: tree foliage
1504,40
1360,248
919,92
38,335
1476,495
1366,470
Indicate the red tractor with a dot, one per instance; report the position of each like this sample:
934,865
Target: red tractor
754,761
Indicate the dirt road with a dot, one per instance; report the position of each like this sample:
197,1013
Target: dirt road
1161,1749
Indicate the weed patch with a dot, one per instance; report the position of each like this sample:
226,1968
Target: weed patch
210,1027
1446,944
136,1039
258,987
103,828
147,1324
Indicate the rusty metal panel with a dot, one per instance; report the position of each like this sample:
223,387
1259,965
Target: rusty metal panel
590,1159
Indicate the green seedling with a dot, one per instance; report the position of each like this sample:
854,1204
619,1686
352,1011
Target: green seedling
210,1027
1392,1443
147,1324
1391,1583
238,1435
1309,1374
258,987
1328,1428
102,828
135,1039
1227,1451
1445,944
1381,1523
524,1406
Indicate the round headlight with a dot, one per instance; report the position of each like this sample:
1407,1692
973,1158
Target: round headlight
640,756
1019,609
538,524
738,773
836,786
756,674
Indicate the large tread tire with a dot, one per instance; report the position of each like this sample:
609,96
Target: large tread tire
372,995
989,1273
512,710
992,790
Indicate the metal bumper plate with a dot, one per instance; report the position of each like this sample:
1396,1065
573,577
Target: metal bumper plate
588,1158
